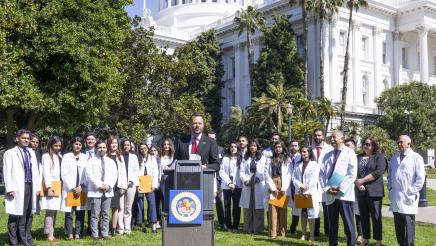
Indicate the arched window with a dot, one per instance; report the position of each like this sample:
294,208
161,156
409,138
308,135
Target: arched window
365,89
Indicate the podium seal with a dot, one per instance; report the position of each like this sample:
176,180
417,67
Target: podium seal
186,207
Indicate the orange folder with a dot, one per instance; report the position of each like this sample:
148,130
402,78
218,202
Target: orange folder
74,200
56,186
145,184
303,201
280,201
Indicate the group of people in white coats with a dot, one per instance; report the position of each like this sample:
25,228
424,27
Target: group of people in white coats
108,173
250,178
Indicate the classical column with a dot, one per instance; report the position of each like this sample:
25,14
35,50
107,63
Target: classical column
334,83
313,58
377,56
423,51
397,58
238,75
356,82
326,60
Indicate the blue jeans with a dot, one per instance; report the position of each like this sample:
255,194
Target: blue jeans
151,208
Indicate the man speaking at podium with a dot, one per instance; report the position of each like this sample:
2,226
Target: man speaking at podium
198,144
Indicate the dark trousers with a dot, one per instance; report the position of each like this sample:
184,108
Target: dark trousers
20,226
326,221
151,207
89,224
359,229
345,209
80,221
405,229
219,203
138,210
370,209
232,198
159,199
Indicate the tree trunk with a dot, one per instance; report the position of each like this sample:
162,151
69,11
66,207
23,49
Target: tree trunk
327,124
279,119
31,120
250,61
345,72
9,128
304,13
321,49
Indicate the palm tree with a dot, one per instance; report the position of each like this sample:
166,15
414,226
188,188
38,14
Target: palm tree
352,5
325,9
326,111
249,20
303,6
274,103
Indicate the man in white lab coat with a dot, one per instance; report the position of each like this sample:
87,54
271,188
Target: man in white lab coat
101,173
406,177
22,182
320,148
337,177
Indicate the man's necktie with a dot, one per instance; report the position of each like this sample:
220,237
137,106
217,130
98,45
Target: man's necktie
194,146
103,169
402,157
28,171
336,154
318,152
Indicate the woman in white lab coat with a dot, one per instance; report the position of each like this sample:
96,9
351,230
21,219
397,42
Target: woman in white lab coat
231,186
278,179
51,171
253,196
306,177
74,180
148,166
120,186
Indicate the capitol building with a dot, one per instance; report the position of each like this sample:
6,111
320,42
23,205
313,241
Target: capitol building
392,42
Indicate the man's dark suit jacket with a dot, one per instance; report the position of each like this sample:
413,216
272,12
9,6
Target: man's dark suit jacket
376,166
207,149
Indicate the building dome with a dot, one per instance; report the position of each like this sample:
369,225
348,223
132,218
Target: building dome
189,15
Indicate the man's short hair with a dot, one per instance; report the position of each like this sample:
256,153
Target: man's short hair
22,131
242,136
318,130
196,114
293,141
100,141
90,134
275,134
350,140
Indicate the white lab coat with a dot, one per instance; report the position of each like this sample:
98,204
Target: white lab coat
268,153
405,180
152,169
94,174
310,180
14,179
259,188
51,171
133,167
70,167
225,168
121,180
297,159
325,148
346,165
286,177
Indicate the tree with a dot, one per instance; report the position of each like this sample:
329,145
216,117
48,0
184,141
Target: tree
352,5
249,20
326,111
303,6
155,94
278,58
67,54
205,82
418,99
324,9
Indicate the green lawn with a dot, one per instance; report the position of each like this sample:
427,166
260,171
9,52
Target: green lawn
431,173
221,238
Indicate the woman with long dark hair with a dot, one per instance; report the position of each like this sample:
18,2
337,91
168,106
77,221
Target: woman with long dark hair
51,171
370,190
148,166
306,178
231,185
121,184
253,195
279,176
74,180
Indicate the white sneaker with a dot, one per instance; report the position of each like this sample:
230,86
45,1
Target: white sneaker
157,225
127,232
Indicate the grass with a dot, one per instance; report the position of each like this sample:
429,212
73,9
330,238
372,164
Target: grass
221,237
431,173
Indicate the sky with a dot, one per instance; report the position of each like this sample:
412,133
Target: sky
136,8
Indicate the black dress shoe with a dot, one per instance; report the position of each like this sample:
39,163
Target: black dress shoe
113,232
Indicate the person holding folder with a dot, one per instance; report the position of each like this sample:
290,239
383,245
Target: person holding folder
306,177
51,178
74,182
278,179
337,177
